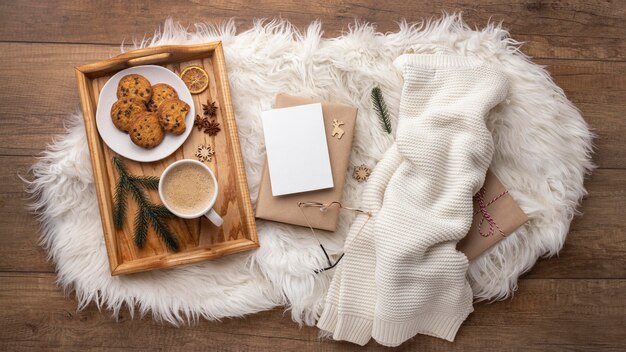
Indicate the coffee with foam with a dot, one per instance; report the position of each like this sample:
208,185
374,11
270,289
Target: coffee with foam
188,189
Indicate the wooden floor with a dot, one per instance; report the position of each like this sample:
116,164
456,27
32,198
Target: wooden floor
574,302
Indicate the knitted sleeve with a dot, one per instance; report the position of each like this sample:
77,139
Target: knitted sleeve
427,207
401,273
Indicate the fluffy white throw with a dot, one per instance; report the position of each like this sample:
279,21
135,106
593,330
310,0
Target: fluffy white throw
541,153
401,273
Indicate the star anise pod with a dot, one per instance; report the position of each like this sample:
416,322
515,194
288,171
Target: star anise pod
209,109
212,128
199,122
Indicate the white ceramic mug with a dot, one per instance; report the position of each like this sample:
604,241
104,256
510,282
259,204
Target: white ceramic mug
208,211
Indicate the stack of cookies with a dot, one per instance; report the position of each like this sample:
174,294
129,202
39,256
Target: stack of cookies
147,112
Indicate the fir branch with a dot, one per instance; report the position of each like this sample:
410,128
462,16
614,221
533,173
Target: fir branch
147,212
161,211
163,230
147,182
153,214
138,194
121,203
121,190
119,165
378,101
141,227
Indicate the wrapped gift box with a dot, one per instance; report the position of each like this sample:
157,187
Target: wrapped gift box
496,215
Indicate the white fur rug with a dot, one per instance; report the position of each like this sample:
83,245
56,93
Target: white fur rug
543,153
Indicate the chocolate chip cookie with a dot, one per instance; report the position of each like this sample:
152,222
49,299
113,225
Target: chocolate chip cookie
172,113
135,85
146,131
124,112
160,93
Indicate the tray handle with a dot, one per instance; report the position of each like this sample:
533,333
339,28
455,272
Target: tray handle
152,55
147,60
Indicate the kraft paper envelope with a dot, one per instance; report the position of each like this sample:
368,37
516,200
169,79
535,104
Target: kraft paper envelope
285,208
504,212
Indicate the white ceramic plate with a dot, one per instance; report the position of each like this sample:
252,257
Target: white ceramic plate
119,141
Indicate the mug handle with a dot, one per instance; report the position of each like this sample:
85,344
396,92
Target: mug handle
214,217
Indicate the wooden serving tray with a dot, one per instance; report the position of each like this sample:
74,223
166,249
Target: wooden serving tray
199,239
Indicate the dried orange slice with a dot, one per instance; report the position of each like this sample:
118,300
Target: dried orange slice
195,78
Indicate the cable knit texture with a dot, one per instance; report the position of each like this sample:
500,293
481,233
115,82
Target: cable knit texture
401,274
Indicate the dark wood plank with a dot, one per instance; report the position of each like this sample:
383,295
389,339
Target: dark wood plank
595,247
35,108
574,48
574,302
74,21
562,314
35,112
19,246
20,237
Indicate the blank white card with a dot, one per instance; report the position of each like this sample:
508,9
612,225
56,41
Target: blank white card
297,151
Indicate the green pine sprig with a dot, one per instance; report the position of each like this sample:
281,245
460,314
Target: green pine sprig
147,213
378,101
121,202
147,182
141,227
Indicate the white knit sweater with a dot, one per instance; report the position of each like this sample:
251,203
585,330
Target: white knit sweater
401,274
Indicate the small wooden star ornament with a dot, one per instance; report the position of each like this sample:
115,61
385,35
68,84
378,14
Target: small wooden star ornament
361,173
204,152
